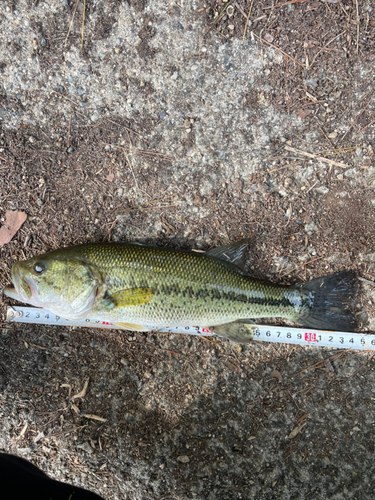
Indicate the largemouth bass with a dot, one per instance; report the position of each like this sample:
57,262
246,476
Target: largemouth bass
134,286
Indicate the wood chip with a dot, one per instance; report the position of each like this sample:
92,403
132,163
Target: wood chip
22,433
13,221
82,394
75,408
69,387
94,417
296,430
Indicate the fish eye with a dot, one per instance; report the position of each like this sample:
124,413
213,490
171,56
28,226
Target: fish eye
39,268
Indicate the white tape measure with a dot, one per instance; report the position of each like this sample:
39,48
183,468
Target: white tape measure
280,334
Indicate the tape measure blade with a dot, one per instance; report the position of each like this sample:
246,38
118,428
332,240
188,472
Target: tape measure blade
265,333
341,340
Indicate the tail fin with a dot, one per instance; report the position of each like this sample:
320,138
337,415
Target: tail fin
327,301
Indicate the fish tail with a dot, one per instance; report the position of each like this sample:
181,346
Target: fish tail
327,302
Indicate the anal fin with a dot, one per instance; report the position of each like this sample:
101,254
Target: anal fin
237,331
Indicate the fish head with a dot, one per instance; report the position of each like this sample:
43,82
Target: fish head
66,286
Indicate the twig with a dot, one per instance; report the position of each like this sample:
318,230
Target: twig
356,4
316,55
68,138
71,21
67,98
166,350
199,56
221,13
320,364
62,433
142,205
286,3
316,157
247,20
82,393
340,150
360,132
83,22
94,417
355,121
281,168
1,158
360,368
238,6
277,48
209,340
312,187
122,125
108,235
10,192
302,265
129,163
139,151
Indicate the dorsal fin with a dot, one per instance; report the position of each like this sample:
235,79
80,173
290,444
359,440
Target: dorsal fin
233,253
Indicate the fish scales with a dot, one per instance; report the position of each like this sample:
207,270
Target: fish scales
189,288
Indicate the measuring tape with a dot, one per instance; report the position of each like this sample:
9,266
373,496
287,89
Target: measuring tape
280,334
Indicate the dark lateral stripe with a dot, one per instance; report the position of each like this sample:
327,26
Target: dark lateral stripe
190,293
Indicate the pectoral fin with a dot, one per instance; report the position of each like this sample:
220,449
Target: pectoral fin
236,331
132,327
129,297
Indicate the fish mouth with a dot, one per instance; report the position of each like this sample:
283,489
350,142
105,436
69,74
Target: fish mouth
11,292
21,289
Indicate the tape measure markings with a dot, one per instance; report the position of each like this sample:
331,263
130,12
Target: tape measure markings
267,333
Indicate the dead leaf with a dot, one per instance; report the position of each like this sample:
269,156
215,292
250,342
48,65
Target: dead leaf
302,113
296,430
13,221
277,375
110,177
